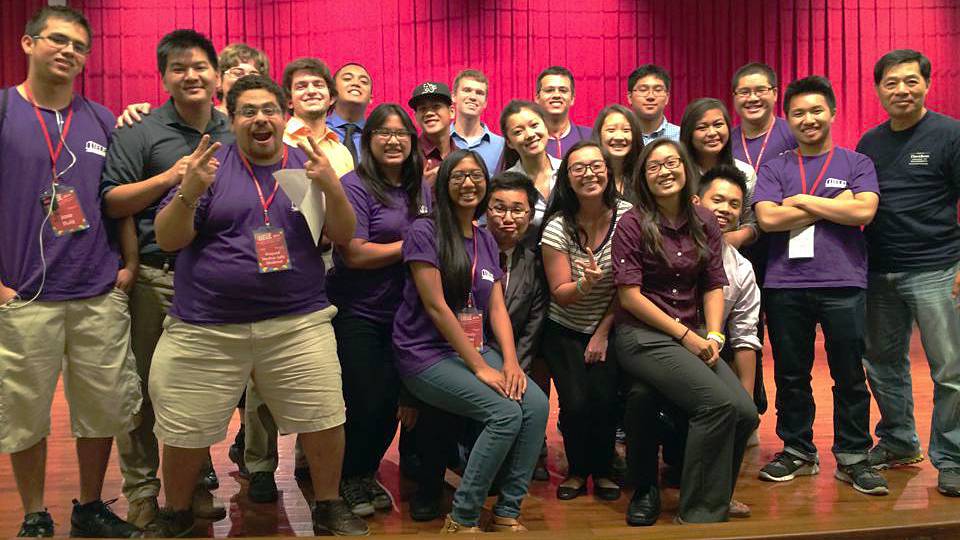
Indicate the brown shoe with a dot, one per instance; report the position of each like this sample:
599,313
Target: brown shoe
738,509
142,511
505,524
452,527
205,505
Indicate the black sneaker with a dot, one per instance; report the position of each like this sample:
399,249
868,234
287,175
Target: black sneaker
236,453
354,494
36,525
863,478
170,524
378,494
948,482
263,487
425,507
785,467
96,520
335,517
880,458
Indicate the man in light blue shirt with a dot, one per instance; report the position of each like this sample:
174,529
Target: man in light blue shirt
468,132
354,90
648,92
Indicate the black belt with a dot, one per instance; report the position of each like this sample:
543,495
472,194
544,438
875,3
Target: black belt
159,261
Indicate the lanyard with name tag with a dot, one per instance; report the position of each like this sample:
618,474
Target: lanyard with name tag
801,240
470,318
270,242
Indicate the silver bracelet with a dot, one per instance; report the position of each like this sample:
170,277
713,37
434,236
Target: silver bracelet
193,205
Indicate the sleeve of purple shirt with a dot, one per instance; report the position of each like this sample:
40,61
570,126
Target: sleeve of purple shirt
712,274
493,252
203,205
768,186
864,176
359,200
627,251
420,244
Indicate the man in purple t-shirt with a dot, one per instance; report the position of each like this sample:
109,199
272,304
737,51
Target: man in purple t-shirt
60,305
761,135
250,298
556,93
813,202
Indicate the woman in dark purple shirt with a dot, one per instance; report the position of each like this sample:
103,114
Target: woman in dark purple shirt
669,275
387,194
452,295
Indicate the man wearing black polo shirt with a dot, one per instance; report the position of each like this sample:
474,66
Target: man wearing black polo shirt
143,163
914,267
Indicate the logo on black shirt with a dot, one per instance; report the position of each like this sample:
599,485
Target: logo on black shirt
920,158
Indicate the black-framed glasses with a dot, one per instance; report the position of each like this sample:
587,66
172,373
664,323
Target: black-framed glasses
385,134
458,178
250,111
658,90
60,41
671,163
759,91
580,169
516,212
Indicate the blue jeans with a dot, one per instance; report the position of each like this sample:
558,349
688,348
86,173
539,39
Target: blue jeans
894,302
511,438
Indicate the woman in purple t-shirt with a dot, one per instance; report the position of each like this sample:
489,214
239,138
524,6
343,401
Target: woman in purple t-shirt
450,299
668,270
387,193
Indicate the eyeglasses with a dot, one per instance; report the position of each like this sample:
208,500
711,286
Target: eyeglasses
644,90
237,72
671,163
580,169
516,212
759,91
385,134
459,177
249,111
60,41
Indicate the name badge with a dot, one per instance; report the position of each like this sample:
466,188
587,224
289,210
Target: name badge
67,216
272,254
801,243
836,183
471,321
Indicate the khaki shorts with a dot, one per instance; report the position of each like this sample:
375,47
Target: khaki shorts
89,340
199,371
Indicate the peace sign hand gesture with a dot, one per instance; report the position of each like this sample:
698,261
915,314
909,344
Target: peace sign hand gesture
201,168
591,272
318,167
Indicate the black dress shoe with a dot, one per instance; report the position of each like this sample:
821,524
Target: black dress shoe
425,508
606,493
566,493
644,508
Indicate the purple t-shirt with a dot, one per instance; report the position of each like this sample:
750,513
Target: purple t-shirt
217,279
416,341
373,294
839,253
781,140
81,264
558,147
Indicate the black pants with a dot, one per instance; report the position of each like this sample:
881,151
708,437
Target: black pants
720,417
371,386
792,317
588,400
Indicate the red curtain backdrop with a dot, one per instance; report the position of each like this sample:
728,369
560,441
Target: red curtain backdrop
13,17
405,42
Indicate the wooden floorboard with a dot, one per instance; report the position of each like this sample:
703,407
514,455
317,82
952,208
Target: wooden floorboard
817,507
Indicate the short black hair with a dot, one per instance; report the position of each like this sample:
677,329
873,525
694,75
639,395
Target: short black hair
183,40
313,66
514,181
814,84
556,70
901,56
727,172
648,69
38,21
358,64
754,68
252,82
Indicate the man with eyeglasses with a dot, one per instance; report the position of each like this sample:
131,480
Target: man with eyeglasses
556,93
433,109
144,162
761,135
61,308
648,92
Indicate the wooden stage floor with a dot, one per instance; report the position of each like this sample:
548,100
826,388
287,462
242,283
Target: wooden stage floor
809,507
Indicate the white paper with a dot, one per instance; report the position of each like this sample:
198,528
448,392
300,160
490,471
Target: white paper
801,243
306,198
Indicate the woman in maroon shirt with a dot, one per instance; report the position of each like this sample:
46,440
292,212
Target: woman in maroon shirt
669,274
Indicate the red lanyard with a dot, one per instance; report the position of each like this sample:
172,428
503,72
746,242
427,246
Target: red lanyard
823,171
265,203
763,146
54,155
473,269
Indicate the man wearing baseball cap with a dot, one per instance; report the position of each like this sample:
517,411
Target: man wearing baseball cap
433,108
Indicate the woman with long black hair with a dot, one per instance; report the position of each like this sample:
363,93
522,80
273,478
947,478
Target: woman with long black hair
618,132
452,305
387,193
583,213
668,269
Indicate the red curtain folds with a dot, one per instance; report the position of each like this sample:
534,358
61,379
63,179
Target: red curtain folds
13,17
405,42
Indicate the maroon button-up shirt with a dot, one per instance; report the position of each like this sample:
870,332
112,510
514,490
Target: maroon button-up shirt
676,285
431,154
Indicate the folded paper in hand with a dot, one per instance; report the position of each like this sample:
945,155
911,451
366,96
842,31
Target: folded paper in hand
306,197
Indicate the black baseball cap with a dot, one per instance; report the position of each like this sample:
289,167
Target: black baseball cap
426,90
